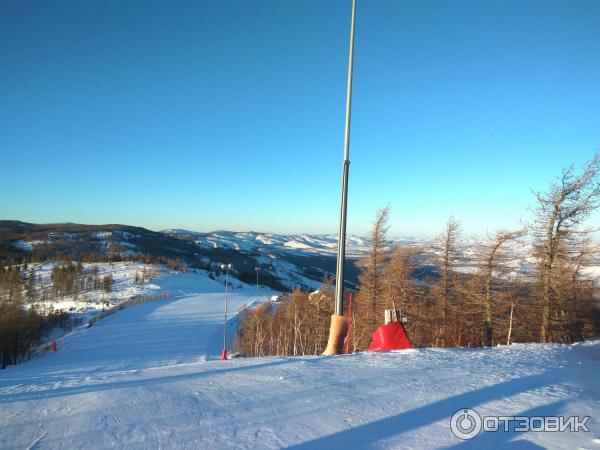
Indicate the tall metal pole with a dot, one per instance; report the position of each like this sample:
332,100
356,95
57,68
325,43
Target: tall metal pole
227,267
257,269
341,256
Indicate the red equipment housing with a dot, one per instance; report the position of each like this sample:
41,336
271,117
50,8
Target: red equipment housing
390,337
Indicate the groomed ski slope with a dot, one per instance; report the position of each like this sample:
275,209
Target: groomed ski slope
149,377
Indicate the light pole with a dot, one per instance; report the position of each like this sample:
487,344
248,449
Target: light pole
257,270
338,326
226,268
270,286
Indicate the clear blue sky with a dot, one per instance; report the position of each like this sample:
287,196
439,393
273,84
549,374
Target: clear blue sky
229,114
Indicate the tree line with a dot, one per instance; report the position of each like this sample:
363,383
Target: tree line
471,299
24,317
297,326
22,325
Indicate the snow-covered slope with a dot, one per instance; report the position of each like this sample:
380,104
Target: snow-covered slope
148,377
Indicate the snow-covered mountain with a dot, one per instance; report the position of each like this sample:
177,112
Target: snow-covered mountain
285,262
299,244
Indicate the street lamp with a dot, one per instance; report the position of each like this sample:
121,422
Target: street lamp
226,268
270,286
257,270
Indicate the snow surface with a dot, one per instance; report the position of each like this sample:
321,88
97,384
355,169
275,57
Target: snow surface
149,377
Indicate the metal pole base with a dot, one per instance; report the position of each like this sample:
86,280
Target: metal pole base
337,333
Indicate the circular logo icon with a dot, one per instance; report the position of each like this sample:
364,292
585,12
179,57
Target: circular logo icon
465,423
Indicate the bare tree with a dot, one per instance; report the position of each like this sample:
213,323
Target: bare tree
372,290
449,257
560,214
494,260
574,292
398,285
514,296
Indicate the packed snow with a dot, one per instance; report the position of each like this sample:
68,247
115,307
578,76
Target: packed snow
149,377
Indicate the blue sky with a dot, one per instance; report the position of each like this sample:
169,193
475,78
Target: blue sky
229,114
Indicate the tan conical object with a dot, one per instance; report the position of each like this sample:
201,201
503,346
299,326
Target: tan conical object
337,333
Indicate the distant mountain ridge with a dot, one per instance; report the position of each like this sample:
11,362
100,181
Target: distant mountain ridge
300,244
284,263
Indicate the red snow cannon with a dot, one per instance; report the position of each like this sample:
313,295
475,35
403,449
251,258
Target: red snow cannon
391,336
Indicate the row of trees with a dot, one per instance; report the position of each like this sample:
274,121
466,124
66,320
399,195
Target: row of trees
109,257
69,278
475,302
479,300
21,326
24,320
298,326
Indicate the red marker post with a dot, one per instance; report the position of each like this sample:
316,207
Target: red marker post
349,322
